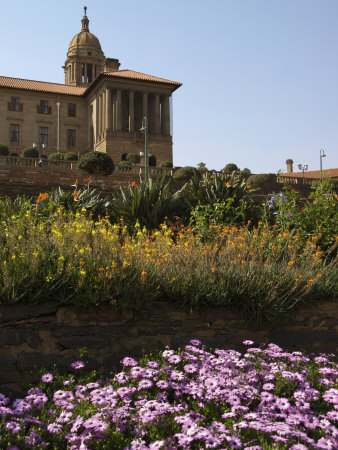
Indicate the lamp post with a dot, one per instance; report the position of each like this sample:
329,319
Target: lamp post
303,168
322,155
43,146
144,128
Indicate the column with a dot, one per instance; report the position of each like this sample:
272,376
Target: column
119,110
157,112
108,110
145,105
97,110
100,116
165,118
103,111
131,112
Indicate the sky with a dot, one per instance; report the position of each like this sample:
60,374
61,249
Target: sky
260,77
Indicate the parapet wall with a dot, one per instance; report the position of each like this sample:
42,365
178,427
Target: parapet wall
24,176
32,337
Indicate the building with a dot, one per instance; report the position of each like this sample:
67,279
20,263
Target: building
100,107
306,174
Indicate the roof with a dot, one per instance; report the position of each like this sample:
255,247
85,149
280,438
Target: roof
327,173
139,76
41,86
56,88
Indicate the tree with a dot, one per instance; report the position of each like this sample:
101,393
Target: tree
231,167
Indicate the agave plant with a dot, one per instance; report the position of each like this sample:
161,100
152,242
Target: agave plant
149,203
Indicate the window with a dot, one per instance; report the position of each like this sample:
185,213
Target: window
43,136
14,132
43,107
71,138
71,110
14,104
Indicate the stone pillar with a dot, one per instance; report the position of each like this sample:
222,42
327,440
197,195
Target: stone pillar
97,112
145,105
165,118
119,110
108,110
131,112
157,113
104,109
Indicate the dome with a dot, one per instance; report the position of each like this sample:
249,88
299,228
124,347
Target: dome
85,43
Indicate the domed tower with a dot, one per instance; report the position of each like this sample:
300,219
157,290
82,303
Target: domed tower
85,58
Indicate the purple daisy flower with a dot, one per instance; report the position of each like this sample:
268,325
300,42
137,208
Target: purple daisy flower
47,378
77,365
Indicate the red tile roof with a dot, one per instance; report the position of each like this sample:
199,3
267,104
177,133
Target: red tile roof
41,86
327,173
140,76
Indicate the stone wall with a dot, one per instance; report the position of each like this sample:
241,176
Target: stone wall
23,176
39,336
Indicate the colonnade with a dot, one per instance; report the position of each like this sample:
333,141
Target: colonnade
121,110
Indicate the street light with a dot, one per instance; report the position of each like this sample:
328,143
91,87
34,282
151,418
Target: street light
322,155
43,146
303,168
145,129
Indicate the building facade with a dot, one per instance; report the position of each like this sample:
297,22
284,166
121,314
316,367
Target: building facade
100,107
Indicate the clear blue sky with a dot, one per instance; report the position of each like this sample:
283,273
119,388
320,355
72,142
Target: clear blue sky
260,77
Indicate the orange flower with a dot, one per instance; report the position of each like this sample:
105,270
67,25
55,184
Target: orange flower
82,263
133,183
42,196
89,178
101,269
227,184
75,195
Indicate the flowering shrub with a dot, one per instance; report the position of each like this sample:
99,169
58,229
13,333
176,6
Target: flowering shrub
77,260
262,398
316,216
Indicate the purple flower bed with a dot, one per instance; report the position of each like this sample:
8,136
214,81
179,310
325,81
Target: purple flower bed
262,398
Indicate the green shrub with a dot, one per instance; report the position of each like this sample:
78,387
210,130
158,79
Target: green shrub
96,162
71,156
30,152
245,172
133,158
201,167
125,163
186,173
57,156
164,164
3,150
261,179
231,167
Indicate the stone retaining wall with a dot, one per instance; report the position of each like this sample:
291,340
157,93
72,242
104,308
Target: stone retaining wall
39,336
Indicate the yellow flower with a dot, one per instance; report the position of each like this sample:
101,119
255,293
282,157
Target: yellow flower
82,272
214,269
143,273
291,263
